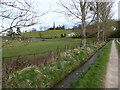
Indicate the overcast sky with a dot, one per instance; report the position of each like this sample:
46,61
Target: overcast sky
59,19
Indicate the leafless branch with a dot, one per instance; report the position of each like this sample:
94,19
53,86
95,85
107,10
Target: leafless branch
19,14
79,9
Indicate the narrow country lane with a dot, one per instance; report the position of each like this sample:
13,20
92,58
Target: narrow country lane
112,68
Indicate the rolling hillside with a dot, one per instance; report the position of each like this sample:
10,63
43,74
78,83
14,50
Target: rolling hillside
47,34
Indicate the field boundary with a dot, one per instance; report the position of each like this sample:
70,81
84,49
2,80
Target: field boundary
65,83
66,63
94,76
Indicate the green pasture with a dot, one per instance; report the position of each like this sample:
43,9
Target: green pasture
47,34
34,47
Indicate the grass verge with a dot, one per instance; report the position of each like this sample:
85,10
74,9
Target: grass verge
47,75
94,76
118,46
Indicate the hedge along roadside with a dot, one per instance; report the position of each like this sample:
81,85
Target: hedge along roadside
47,75
94,76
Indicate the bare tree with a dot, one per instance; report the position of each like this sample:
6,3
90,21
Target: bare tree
96,9
81,11
105,16
98,27
18,13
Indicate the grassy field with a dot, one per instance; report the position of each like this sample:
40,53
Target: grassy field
47,75
47,34
35,47
94,77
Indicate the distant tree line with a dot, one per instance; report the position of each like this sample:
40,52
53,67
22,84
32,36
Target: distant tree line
116,33
91,30
57,28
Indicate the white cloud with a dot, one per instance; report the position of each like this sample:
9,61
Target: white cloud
115,9
58,18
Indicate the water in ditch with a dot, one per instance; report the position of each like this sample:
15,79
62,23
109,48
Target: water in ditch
76,73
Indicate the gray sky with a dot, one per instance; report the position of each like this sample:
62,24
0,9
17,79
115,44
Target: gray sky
59,19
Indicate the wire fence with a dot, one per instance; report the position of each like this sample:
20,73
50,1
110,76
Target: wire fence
13,63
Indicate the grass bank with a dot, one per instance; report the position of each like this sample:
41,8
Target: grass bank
118,46
94,76
47,75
